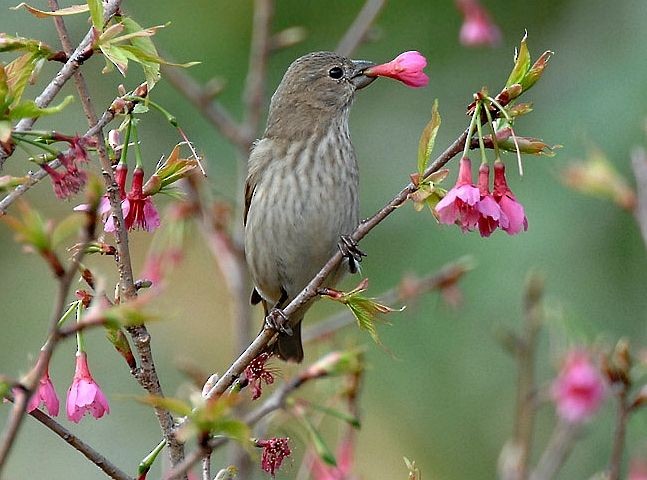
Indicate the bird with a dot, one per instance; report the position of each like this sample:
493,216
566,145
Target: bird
302,189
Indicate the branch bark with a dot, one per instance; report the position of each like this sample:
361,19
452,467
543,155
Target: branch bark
356,33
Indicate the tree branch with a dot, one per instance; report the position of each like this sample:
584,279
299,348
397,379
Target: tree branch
639,165
356,33
90,453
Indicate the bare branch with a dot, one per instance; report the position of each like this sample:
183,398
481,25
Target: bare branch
447,275
90,453
557,451
356,33
212,110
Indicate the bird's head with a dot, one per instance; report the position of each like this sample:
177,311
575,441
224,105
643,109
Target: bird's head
317,87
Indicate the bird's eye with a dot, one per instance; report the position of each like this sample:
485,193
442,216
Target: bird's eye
336,72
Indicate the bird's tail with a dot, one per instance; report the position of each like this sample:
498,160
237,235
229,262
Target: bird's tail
289,347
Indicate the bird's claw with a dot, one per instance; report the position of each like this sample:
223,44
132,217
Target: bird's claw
349,249
277,320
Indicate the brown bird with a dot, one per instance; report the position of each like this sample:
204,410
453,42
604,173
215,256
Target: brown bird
301,193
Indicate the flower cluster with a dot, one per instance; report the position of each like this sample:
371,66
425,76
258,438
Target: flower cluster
579,389
137,207
84,395
72,179
474,207
406,67
275,450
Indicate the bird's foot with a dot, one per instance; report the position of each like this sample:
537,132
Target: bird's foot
349,249
277,320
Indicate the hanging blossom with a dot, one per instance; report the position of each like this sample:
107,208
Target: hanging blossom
275,450
579,389
490,214
459,205
477,29
45,393
257,373
511,208
72,179
406,67
84,394
138,209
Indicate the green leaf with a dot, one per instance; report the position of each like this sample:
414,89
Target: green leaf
116,56
318,442
428,138
19,71
29,109
10,43
96,14
173,405
535,72
146,47
521,63
30,228
71,10
4,91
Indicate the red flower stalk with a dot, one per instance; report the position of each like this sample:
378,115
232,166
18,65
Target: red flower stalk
275,450
478,29
257,373
406,67
490,214
460,203
579,389
84,394
512,209
65,184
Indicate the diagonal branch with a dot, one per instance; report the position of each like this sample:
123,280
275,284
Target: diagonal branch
75,442
356,33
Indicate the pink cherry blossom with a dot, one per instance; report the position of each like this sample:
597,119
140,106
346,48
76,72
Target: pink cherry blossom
45,394
512,209
490,214
478,29
84,394
579,389
275,450
65,183
406,67
460,204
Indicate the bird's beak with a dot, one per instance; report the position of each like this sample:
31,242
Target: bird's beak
358,78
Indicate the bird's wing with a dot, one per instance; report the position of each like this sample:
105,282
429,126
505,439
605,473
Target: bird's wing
250,186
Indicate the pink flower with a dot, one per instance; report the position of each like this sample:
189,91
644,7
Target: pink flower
84,394
460,204
257,373
579,389
45,394
478,28
139,209
275,450
512,209
65,184
406,67
490,214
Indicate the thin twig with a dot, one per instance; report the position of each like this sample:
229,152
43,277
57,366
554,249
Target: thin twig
447,275
90,453
526,408
212,110
557,451
639,165
356,34
622,417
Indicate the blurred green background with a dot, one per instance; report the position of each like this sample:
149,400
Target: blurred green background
447,399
